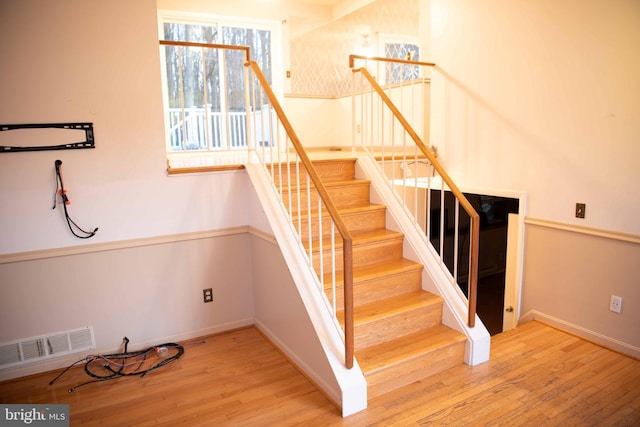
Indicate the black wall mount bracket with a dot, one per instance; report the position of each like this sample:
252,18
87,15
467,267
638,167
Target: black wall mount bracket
86,127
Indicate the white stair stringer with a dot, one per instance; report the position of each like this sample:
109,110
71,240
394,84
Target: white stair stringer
346,387
435,277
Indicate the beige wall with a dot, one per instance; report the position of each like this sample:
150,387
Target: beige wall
151,293
570,276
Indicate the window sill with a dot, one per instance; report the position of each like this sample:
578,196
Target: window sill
200,169
183,163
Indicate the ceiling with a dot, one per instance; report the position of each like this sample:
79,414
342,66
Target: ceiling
311,14
320,2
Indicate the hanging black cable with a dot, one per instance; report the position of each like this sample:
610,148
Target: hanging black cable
82,234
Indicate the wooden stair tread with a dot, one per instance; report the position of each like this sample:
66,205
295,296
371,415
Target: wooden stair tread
327,184
389,306
346,210
368,236
381,356
363,237
367,272
328,169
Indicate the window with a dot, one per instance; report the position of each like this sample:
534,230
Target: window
400,47
204,88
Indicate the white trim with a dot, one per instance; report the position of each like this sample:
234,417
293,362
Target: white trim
595,337
581,229
121,244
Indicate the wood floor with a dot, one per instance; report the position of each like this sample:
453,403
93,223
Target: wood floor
537,376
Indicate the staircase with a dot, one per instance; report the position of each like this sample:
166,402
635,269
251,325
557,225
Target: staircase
399,337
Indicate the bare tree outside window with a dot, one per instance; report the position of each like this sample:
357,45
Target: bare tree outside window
205,87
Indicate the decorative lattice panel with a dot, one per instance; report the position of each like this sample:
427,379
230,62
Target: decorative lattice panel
319,58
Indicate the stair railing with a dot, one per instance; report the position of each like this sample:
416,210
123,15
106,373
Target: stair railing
387,136
278,148
263,130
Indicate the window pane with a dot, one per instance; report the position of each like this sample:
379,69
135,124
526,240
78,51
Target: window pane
205,87
190,32
396,73
193,88
259,42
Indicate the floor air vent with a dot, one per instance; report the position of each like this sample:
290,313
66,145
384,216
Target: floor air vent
38,348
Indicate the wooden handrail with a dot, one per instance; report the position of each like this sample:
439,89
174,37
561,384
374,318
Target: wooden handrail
352,59
466,205
245,49
347,252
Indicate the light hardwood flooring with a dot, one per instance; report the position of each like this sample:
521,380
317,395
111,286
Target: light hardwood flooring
537,376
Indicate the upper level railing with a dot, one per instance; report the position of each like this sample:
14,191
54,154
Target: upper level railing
382,130
296,183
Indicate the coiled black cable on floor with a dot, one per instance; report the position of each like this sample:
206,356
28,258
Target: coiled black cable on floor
128,363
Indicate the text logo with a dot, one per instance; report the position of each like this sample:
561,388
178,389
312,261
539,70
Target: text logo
36,415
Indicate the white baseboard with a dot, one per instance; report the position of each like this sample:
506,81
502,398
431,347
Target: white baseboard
595,337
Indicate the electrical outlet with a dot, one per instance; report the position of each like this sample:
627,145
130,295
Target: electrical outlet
616,304
580,209
207,295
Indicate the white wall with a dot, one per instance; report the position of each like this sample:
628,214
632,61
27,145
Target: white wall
326,122
542,96
73,61
320,122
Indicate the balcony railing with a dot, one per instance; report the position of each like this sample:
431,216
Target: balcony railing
203,129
